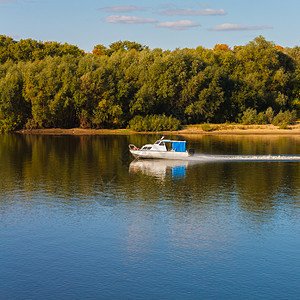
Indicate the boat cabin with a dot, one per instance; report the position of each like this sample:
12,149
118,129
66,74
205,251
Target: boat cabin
161,145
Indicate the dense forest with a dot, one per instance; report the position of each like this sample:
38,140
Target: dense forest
48,84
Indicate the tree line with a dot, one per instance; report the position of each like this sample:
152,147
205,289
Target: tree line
48,84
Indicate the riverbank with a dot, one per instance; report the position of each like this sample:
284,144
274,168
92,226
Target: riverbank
211,129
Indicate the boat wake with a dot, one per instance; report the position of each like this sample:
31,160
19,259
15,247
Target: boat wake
160,168
231,158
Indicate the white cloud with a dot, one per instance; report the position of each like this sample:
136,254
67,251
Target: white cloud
125,8
179,25
128,20
237,27
192,12
14,36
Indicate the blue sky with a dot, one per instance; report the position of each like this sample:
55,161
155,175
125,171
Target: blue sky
158,24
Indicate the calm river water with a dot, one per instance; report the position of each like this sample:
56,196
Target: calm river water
80,219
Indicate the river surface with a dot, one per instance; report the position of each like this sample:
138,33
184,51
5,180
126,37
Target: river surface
79,219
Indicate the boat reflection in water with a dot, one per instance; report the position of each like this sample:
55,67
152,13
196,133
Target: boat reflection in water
159,168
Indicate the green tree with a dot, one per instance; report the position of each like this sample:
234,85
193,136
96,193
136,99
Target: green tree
262,72
49,87
13,109
6,44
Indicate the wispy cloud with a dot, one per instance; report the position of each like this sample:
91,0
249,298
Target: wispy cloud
192,12
128,20
14,36
179,25
238,27
124,8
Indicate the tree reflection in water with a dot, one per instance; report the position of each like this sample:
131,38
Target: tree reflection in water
100,168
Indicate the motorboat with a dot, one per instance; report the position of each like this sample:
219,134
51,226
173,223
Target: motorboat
165,149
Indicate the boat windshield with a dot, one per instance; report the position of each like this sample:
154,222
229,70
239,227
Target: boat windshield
146,148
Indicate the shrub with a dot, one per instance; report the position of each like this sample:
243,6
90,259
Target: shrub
261,118
249,116
283,126
270,115
10,123
154,123
206,127
287,117
31,124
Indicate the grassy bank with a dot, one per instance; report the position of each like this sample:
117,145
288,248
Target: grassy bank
212,129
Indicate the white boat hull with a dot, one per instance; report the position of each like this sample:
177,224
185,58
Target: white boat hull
159,154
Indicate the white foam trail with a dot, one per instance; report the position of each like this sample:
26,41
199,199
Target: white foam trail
212,158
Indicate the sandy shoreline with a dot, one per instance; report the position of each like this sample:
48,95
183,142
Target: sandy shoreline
215,129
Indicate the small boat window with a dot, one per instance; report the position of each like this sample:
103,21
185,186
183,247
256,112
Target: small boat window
157,142
161,144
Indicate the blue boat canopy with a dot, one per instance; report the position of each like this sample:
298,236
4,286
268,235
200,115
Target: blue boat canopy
177,146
